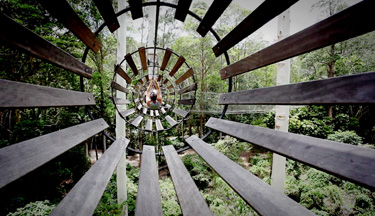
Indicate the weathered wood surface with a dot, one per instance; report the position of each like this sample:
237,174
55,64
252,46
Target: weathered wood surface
350,162
144,110
188,89
262,197
185,76
159,78
179,63
25,40
108,13
136,9
163,110
16,94
122,73
268,10
85,195
137,121
121,101
168,106
159,126
165,81
157,113
216,9
170,120
19,159
119,87
140,81
142,56
171,93
148,198
180,112
344,25
149,125
353,89
182,9
189,197
127,112
130,61
64,13
167,56
169,87
152,113
187,101
139,107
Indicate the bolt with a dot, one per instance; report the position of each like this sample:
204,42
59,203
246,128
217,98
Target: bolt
226,73
88,98
212,122
87,70
94,44
224,98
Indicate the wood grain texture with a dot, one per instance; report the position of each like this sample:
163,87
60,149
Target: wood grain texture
167,56
136,9
16,94
121,101
187,101
122,73
350,162
262,197
108,13
64,13
344,25
137,121
268,10
180,61
188,89
353,89
170,120
25,40
142,56
127,112
19,159
189,197
163,110
182,9
148,198
216,9
157,113
85,195
159,126
130,61
185,76
149,125
180,112
119,87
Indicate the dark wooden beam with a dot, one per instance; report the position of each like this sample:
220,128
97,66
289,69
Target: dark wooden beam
188,89
19,159
350,162
165,81
216,9
167,56
187,101
86,194
260,16
136,9
148,198
169,87
108,13
122,73
119,87
344,25
15,94
182,9
159,78
130,61
185,76
189,197
181,113
180,61
262,197
353,89
170,120
62,11
142,56
22,38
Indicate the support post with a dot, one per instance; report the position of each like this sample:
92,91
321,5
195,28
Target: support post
282,112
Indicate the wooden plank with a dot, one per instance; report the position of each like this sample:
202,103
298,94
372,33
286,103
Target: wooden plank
157,113
180,112
148,198
159,126
137,121
147,78
141,81
188,89
19,159
64,13
130,61
355,163
152,113
182,9
142,56
25,40
139,107
15,94
187,102
353,89
344,25
121,101
165,81
122,73
169,87
262,197
185,76
189,197
108,13
170,120
149,125
127,112
136,9
216,9
85,195
119,87
163,110
159,78
144,110
167,56
263,14
168,106
180,61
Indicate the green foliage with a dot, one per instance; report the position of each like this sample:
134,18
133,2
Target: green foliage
363,205
261,166
38,208
349,137
232,148
169,198
199,170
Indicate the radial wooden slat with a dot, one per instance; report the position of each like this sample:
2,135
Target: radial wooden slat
119,87
64,13
38,151
127,112
185,76
180,112
149,125
122,73
180,61
136,9
165,81
170,120
157,113
83,198
168,106
144,110
163,110
121,101
187,101
169,87
142,56
188,89
139,107
159,126
137,121
159,78
130,61
171,93
182,9
140,81
152,113
167,56
108,13
22,38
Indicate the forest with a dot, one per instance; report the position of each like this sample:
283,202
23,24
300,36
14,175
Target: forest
41,190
